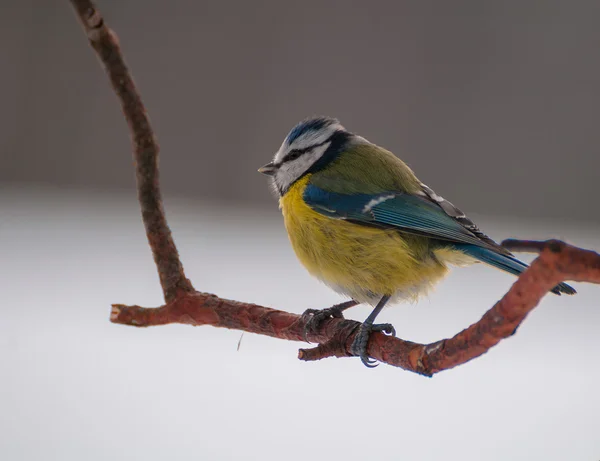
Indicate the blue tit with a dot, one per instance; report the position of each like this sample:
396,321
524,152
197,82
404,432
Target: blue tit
360,221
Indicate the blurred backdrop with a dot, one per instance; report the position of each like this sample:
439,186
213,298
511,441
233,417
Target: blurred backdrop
494,104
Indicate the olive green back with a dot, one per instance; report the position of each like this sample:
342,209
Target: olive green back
366,169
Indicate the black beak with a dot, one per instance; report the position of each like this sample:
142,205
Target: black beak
269,169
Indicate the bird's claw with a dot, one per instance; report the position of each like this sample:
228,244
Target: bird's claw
361,340
317,316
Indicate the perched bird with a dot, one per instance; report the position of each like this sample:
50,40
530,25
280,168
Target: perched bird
360,221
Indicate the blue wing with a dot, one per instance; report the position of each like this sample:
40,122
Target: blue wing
406,212
426,215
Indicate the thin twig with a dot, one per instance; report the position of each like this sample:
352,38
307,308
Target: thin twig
145,150
526,246
556,263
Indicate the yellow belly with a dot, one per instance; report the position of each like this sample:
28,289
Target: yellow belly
364,263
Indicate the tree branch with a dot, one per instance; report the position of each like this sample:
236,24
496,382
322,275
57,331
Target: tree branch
556,263
145,150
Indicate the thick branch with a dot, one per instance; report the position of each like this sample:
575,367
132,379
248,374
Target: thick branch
145,148
557,262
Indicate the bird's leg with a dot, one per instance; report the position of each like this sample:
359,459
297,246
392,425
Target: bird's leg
359,345
318,315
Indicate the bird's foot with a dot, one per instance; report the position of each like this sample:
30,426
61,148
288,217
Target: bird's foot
317,316
359,345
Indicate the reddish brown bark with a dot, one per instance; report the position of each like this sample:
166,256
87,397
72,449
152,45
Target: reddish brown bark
557,262
145,149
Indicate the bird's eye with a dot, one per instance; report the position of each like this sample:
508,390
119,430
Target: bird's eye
293,154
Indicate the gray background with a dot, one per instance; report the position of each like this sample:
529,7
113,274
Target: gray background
493,104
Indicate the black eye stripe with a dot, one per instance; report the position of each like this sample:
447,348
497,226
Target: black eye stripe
295,153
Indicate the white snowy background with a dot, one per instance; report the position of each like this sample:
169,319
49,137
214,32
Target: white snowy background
73,386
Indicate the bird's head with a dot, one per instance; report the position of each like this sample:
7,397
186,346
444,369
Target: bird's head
310,145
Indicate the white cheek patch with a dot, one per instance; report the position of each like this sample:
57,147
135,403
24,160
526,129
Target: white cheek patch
291,171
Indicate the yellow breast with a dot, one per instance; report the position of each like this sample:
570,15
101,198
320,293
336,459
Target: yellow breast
362,262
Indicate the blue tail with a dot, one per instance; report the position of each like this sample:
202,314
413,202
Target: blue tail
506,263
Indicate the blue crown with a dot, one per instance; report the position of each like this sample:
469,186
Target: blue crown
310,124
